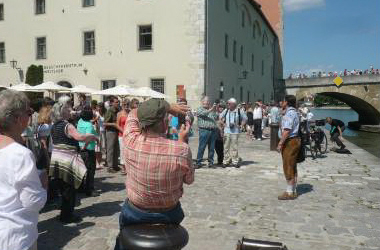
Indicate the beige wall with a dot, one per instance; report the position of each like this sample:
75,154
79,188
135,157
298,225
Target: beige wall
177,55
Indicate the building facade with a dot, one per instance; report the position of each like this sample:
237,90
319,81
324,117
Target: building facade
175,47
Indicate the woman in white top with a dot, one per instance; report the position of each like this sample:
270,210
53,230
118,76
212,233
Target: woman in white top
22,190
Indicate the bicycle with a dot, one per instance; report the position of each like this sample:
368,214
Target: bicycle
314,141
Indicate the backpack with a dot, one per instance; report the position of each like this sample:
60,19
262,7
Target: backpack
239,117
302,133
40,153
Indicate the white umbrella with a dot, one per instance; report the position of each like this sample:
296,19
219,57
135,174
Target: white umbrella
3,87
148,92
81,89
23,87
119,90
50,86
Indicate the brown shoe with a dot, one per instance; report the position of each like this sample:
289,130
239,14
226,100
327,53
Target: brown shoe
287,196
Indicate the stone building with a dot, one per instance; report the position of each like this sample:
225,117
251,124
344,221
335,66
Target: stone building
187,48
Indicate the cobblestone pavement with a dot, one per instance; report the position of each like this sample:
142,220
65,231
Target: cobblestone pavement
338,206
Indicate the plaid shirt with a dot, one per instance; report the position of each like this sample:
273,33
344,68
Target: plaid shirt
156,167
206,119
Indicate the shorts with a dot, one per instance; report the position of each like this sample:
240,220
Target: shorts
289,157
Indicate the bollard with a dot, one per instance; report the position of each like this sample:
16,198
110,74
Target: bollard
249,244
274,136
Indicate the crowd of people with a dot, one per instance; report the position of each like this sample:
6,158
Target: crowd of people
52,149
356,72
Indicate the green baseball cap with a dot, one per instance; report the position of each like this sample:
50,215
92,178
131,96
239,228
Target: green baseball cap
152,111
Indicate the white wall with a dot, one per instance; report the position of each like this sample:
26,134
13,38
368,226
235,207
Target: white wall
177,53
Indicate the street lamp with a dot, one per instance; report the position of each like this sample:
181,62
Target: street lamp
13,63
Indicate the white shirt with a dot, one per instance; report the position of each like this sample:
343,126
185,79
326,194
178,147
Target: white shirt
258,113
21,198
232,117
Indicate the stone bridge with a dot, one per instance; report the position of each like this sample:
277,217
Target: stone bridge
361,93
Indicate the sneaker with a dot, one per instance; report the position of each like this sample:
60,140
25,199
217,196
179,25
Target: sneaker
287,196
211,165
197,166
259,139
226,165
235,165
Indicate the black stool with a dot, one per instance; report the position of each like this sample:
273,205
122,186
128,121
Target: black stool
153,237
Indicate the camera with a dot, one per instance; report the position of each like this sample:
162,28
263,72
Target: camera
232,125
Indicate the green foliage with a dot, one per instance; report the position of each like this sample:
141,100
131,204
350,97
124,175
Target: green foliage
322,100
34,76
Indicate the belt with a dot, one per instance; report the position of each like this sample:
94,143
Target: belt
150,210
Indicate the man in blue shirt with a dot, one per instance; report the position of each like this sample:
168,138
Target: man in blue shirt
234,119
289,146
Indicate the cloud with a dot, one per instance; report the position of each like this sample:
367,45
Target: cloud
297,5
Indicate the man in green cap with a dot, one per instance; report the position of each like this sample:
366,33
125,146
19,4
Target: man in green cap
156,166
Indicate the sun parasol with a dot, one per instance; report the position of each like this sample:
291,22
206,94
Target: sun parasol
81,89
23,87
147,92
119,90
50,86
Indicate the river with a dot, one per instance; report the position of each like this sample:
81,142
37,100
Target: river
367,141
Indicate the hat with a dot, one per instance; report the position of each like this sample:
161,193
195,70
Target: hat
152,111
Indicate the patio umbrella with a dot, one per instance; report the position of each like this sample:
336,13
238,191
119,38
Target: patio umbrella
81,89
147,92
119,90
24,88
50,86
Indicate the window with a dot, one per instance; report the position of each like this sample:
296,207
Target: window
241,94
234,51
262,67
145,37
106,84
241,55
88,3
248,95
226,46
233,91
253,62
89,43
242,18
1,11
2,52
40,7
265,39
41,48
254,30
158,84
227,5
221,91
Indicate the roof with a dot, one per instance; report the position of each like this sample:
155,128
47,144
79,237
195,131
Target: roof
258,9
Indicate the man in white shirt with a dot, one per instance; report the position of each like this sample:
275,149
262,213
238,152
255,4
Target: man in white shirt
233,120
257,121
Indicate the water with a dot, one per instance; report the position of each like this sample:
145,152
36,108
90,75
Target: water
368,141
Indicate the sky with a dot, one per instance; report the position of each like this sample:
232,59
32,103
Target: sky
331,35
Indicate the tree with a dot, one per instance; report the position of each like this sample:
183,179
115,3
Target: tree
34,76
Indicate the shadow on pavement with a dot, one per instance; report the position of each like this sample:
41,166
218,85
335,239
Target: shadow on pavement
100,209
304,188
245,163
53,235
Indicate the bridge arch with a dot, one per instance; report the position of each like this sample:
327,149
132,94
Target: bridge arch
356,98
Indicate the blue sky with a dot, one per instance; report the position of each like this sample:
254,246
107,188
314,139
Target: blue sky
331,35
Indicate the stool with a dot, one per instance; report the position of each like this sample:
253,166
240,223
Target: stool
153,237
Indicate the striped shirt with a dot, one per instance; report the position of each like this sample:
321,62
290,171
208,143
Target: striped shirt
206,119
156,167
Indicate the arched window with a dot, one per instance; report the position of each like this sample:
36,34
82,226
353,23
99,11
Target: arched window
265,39
243,18
254,30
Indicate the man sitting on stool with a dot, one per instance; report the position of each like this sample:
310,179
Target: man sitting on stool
336,131
156,166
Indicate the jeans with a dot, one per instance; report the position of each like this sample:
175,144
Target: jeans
68,194
132,215
206,138
335,138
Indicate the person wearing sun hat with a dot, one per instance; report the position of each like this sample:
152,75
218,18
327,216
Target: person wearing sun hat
156,166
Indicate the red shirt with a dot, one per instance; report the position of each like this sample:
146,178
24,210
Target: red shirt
156,167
